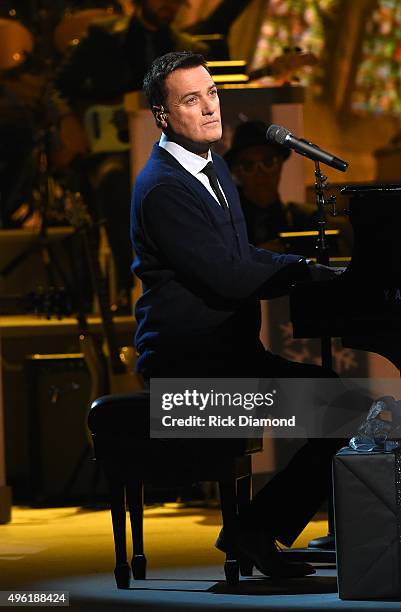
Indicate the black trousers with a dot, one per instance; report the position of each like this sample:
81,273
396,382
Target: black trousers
286,504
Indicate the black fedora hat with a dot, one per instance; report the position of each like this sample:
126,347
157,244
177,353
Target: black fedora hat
251,134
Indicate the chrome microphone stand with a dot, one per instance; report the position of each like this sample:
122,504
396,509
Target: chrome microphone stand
322,256
322,247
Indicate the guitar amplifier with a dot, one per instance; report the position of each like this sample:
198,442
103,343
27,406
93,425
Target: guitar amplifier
62,470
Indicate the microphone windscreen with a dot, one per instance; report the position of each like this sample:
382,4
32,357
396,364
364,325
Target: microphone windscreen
277,134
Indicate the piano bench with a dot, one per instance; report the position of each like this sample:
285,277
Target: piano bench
130,458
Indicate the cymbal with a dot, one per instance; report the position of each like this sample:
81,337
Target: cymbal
74,25
16,42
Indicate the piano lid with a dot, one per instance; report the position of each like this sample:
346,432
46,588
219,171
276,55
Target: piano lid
375,189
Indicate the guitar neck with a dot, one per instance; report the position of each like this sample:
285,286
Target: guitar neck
260,73
284,65
100,287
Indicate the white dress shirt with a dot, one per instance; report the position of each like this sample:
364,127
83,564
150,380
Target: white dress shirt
192,162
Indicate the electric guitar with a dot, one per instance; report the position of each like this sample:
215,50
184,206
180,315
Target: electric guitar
106,127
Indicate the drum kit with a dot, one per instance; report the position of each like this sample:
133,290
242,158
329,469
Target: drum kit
17,41
27,64
33,187
16,44
74,25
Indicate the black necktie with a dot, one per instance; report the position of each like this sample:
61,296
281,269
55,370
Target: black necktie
212,176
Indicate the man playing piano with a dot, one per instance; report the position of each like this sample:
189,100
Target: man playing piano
199,315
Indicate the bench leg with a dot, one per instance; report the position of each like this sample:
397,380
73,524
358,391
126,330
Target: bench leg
228,500
135,506
118,512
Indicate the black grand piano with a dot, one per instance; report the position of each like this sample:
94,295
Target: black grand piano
362,305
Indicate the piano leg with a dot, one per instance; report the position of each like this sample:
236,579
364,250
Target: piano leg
327,542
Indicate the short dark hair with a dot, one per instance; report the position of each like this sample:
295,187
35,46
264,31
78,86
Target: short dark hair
154,83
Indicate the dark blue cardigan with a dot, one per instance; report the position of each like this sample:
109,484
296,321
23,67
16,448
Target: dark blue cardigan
202,280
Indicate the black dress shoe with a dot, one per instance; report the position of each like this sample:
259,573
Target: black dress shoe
256,547
324,543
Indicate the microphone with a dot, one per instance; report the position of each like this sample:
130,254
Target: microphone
280,135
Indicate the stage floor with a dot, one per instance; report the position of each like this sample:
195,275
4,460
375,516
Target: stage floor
72,549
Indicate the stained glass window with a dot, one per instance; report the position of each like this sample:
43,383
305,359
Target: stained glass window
378,79
289,24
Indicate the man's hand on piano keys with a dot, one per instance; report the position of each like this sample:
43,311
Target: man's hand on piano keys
319,272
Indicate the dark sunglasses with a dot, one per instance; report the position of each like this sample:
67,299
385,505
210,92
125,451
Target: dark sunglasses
250,166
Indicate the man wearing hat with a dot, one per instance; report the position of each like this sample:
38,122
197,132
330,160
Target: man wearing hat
256,165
